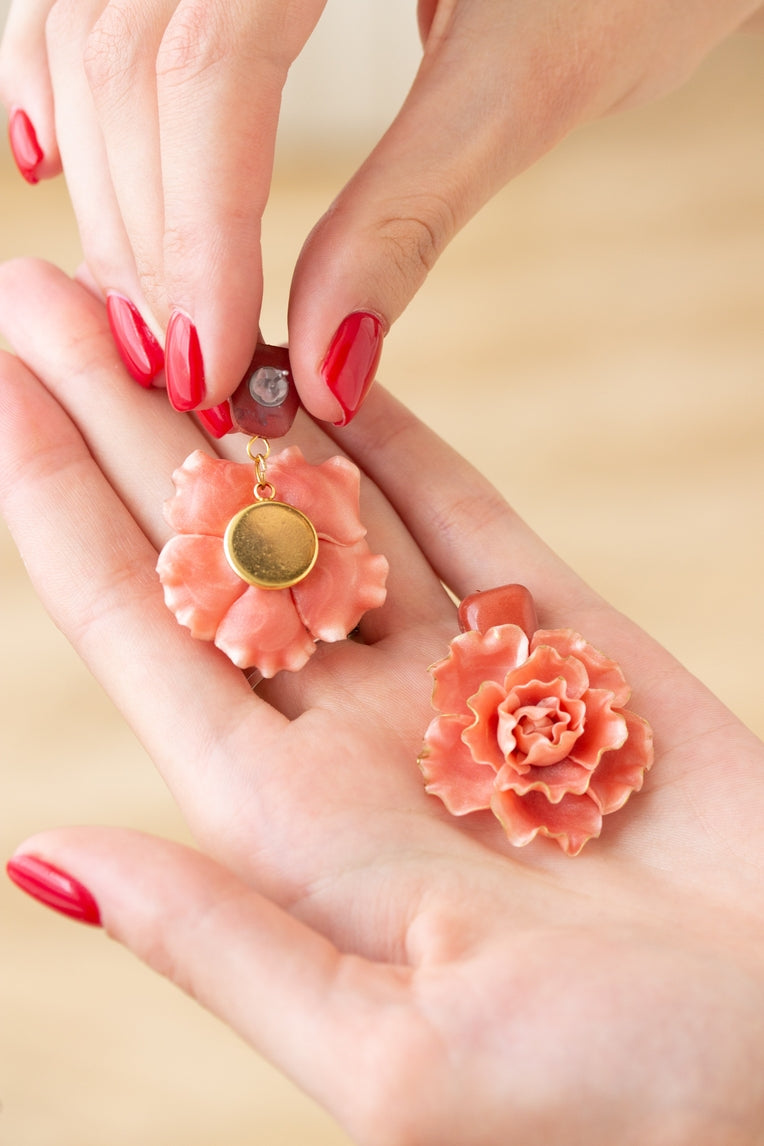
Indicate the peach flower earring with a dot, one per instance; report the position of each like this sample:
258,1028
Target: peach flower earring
532,725
269,557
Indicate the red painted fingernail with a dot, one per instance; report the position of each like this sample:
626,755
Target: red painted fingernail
349,367
54,888
183,363
140,351
216,420
26,150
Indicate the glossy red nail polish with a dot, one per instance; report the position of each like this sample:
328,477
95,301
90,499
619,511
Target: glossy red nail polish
350,365
216,420
183,363
54,888
504,605
140,351
26,150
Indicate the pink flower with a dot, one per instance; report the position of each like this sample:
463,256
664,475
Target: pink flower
536,731
270,629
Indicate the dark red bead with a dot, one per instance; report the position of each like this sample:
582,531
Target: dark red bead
265,403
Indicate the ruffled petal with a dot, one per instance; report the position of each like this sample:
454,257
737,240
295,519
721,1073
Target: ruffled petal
554,780
481,737
571,822
545,665
449,770
622,772
472,659
328,493
548,723
262,630
603,672
199,584
345,582
604,730
209,492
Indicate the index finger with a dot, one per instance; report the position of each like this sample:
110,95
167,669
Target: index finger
220,71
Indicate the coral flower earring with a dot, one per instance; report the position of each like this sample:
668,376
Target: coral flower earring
266,564
266,578
532,725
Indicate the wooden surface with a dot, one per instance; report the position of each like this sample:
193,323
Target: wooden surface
594,341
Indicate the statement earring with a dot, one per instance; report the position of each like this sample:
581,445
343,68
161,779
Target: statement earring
532,725
268,557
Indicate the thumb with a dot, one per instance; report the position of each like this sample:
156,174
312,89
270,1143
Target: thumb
473,118
283,987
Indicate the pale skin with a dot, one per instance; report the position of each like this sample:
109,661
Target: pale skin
165,120
426,982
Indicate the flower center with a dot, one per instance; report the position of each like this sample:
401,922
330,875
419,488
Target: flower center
540,719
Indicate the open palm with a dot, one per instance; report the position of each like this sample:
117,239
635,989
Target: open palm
418,976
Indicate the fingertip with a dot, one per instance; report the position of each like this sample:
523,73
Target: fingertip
141,353
53,886
335,360
184,363
211,334
314,396
216,420
32,138
25,146
350,365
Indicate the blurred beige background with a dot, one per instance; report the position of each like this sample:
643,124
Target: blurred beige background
594,341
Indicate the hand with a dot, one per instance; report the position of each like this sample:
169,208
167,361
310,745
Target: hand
166,114
165,123
420,978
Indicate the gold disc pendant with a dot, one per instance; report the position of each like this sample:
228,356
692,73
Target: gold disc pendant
271,545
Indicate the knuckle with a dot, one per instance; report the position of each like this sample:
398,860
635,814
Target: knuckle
176,244
558,85
478,512
63,17
113,51
153,287
416,235
195,40
186,252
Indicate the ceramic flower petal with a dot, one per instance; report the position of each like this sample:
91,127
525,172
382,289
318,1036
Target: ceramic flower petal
473,658
603,672
571,823
199,584
328,493
603,730
482,736
547,723
263,628
536,729
209,492
450,771
544,664
622,772
346,582
554,780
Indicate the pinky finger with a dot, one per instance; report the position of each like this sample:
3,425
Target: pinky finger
27,92
286,989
